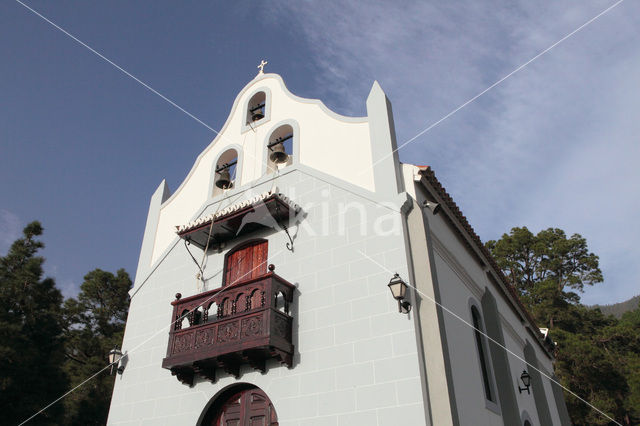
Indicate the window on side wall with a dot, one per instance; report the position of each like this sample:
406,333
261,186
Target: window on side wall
483,355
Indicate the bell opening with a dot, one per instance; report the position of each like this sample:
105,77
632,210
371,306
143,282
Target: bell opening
278,154
257,115
225,171
224,183
280,148
256,108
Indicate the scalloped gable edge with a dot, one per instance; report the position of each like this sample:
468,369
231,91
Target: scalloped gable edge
232,112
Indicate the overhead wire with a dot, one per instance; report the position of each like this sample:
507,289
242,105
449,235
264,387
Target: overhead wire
201,280
464,321
179,319
463,105
68,393
127,73
171,102
233,180
458,317
126,354
187,243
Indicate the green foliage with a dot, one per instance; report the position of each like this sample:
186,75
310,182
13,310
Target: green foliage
96,321
47,347
589,368
546,269
598,356
31,334
618,309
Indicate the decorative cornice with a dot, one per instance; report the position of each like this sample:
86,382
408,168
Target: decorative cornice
455,266
512,332
473,242
235,207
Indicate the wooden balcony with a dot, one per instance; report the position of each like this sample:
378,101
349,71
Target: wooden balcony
245,323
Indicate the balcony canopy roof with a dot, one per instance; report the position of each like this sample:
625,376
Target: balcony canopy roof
265,210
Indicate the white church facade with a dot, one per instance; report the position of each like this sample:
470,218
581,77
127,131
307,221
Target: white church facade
261,295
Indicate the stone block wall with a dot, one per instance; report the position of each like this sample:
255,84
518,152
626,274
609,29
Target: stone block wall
356,358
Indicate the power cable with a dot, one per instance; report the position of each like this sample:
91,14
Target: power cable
455,110
125,355
373,165
124,71
492,340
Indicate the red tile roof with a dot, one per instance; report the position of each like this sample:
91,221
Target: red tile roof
430,176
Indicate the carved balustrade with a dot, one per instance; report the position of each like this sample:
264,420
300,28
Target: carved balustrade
244,323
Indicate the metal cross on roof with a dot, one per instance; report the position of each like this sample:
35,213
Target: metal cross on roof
261,66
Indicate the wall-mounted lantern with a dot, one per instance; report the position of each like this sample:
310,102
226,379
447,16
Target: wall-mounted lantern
526,381
115,355
431,205
399,290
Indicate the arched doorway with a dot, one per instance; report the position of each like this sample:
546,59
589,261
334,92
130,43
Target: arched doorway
241,405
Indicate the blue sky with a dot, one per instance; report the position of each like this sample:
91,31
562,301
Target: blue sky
82,146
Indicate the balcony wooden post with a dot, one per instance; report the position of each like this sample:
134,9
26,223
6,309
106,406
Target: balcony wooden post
246,334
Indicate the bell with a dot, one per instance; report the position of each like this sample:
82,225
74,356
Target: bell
257,115
278,154
224,181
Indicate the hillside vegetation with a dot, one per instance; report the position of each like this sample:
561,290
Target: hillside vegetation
617,309
597,355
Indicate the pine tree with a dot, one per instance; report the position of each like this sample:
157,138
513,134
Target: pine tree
96,321
597,356
31,334
548,270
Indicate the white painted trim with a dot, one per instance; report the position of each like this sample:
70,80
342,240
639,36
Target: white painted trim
455,266
512,332
493,406
236,103
267,109
524,416
238,175
358,191
325,109
295,145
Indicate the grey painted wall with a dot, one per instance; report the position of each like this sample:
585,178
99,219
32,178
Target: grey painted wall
558,396
356,359
537,386
504,377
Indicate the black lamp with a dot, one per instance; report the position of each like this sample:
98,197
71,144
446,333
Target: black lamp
431,205
399,291
115,355
526,381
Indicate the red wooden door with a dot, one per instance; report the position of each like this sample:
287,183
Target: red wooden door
246,262
250,407
230,413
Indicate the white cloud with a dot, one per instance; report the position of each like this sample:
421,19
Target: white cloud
10,229
555,145
69,288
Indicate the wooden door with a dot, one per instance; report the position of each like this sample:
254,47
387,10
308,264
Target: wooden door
230,414
246,262
250,407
